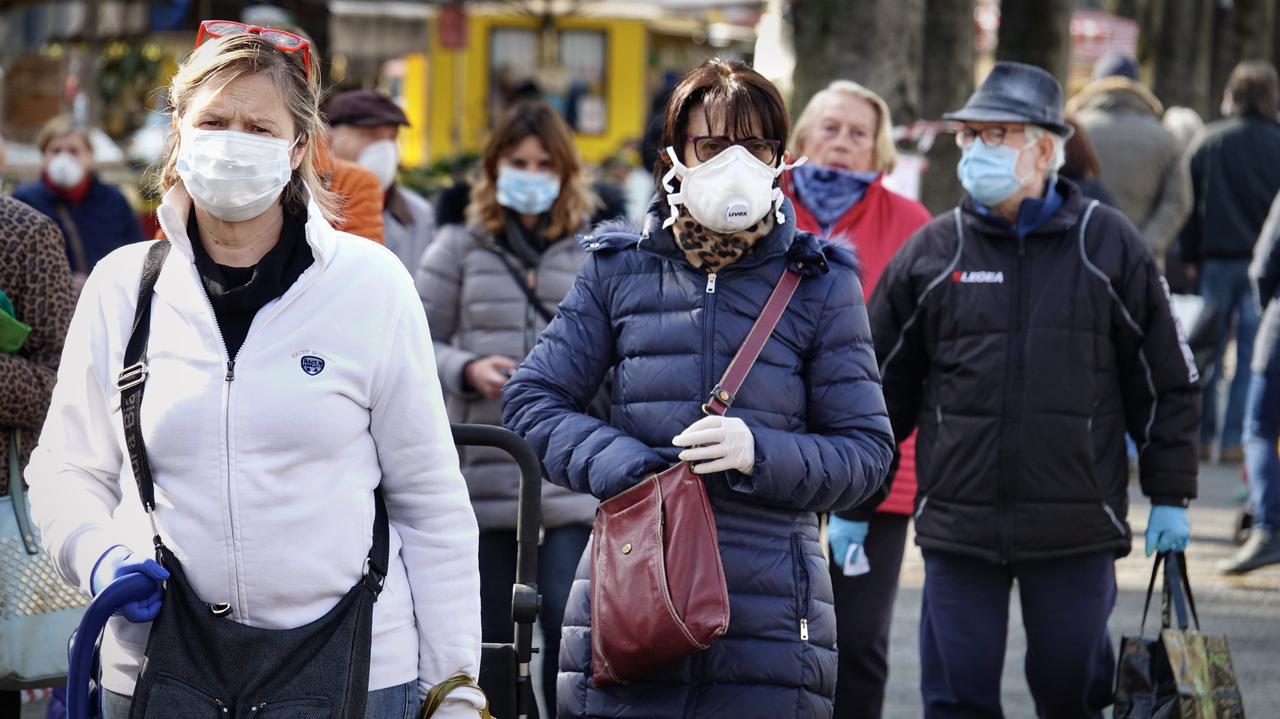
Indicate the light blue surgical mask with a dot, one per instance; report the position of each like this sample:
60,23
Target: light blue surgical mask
989,174
529,193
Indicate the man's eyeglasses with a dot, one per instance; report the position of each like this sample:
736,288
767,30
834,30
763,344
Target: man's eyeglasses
283,41
991,136
706,147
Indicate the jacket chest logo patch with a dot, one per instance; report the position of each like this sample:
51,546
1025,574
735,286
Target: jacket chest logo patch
312,365
978,277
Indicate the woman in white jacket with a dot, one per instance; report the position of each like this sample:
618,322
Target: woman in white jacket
290,373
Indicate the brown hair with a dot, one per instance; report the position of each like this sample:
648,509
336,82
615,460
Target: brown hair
222,61
61,126
1082,161
533,117
1254,89
728,90
883,155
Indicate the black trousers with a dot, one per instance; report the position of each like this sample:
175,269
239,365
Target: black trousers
864,613
964,621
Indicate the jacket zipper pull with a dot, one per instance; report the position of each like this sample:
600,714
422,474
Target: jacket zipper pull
804,630
231,370
711,283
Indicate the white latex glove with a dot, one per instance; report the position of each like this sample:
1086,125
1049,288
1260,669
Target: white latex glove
725,441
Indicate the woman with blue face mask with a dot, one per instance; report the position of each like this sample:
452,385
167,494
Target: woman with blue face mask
847,134
489,288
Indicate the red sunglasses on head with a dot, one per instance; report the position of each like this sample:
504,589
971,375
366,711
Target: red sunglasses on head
283,41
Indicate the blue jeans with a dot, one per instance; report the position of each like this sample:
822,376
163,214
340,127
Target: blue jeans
1261,433
1224,284
964,620
399,702
557,562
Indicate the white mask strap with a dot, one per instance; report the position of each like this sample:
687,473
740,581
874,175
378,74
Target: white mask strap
777,191
677,168
674,199
784,166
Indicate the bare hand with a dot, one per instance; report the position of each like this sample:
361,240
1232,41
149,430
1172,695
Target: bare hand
487,375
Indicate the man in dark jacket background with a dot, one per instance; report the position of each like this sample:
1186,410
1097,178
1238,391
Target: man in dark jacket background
1262,410
1235,173
1024,334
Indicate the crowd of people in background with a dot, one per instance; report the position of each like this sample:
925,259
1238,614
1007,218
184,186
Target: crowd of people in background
991,375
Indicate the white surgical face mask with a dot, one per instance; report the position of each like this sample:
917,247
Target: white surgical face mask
382,158
729,193
233,176
65,171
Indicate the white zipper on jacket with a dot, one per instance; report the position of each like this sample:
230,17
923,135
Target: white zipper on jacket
238,602
294,292
711,283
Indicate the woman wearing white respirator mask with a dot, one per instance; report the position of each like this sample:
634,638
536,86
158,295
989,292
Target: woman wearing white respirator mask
490,287
95,218
364,125
666,308
292,449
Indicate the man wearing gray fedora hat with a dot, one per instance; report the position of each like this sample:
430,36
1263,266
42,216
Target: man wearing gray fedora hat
1024,334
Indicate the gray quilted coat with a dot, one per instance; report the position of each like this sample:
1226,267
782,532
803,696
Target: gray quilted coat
476,309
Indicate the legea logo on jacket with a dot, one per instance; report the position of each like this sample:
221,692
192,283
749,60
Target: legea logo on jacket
980,277
310,361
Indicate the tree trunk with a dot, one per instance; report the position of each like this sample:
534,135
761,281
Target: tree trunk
1123,8
1224,54
1243,31
873,42
1181,66
948,81
1037,33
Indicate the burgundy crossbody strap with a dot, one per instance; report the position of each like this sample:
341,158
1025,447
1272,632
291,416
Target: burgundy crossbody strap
726,391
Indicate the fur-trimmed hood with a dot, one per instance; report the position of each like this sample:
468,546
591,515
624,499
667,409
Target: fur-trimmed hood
1115,93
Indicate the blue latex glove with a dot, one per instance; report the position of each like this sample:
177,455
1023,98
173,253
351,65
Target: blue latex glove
119,561
1168,529
841,533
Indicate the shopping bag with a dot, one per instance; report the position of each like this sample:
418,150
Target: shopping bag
38,612
1181,673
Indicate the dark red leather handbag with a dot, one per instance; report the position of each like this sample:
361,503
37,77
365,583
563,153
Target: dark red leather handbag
657,589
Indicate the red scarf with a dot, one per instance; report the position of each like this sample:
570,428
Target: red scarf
73,195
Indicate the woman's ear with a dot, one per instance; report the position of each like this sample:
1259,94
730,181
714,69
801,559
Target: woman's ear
299,150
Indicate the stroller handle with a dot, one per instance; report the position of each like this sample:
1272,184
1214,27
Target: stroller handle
131,587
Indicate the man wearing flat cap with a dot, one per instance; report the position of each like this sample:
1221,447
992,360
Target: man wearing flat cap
363,126
1024,334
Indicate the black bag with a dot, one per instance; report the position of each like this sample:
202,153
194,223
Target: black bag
1181,674
199,662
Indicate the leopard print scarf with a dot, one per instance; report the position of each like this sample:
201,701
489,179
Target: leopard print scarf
713,251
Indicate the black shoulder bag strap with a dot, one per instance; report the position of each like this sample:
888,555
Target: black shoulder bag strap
132,381
523,283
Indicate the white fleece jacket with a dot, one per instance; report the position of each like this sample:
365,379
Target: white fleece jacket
264,482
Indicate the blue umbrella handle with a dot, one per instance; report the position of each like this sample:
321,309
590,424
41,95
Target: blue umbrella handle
82,656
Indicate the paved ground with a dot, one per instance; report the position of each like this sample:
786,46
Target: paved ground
1247,610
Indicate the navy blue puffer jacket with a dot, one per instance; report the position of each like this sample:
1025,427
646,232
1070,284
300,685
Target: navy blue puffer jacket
822,442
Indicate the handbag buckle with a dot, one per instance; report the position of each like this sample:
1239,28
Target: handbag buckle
132,376
721,395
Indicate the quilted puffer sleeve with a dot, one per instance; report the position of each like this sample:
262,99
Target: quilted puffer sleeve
439,283
1159,378
546,399
845,455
